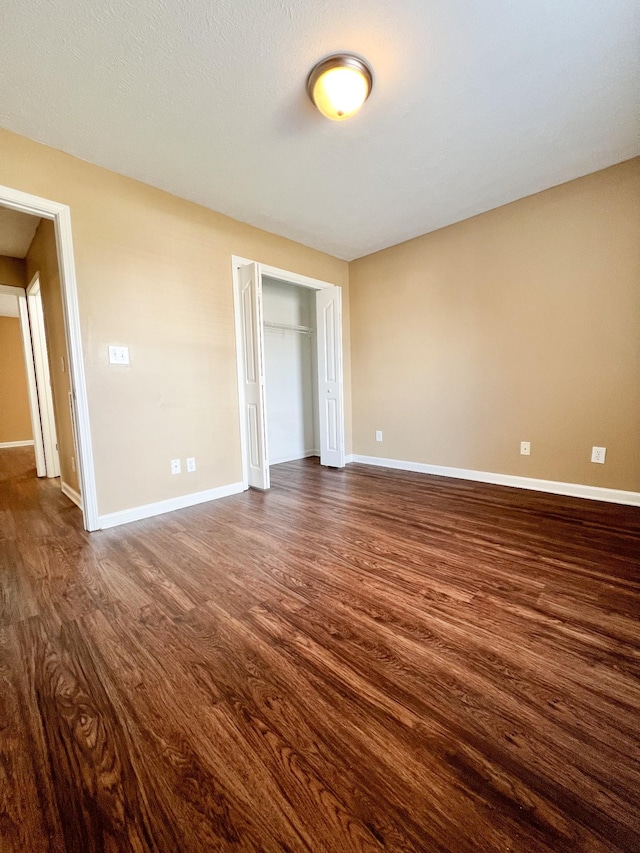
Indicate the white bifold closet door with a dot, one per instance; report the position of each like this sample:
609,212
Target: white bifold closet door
253,375
330,391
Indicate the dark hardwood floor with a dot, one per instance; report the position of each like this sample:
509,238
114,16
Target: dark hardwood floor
358,660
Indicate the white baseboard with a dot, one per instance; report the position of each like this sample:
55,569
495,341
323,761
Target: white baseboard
136,513
349,458
576,490
71,494
304,455
4,444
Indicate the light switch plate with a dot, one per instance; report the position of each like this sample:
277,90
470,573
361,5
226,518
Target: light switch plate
118,355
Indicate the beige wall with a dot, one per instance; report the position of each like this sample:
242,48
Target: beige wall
12,271
42,258
154,273
15,421
519,324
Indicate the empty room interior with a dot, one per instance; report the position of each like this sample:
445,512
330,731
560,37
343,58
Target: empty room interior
320,427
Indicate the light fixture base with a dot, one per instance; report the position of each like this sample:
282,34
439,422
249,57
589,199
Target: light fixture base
322,98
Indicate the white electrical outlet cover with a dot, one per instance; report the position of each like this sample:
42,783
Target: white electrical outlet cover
598,454
191,463
525,448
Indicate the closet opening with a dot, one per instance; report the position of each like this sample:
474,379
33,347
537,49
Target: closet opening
289,357
291,371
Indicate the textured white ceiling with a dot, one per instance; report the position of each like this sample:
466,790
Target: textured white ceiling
475,104
16,232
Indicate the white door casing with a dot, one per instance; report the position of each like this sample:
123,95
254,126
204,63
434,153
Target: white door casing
61,217
330,380
34,408
253,375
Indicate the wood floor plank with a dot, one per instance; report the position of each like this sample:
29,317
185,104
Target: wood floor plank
29,819
105,797
356,660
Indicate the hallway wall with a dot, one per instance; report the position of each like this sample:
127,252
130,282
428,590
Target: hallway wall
42,258
15,420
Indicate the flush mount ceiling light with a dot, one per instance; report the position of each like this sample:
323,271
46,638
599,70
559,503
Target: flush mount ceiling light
339,85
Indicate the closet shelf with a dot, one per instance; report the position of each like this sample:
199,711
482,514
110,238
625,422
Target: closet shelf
286,327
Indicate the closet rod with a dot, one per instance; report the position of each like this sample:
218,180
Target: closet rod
306,330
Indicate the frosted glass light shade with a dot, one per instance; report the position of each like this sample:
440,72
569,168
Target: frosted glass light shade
339,85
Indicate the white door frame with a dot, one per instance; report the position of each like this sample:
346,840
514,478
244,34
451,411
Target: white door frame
288,278
34,408
43,377
60,214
